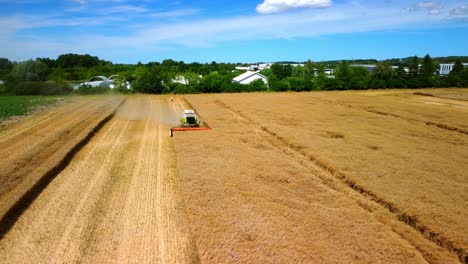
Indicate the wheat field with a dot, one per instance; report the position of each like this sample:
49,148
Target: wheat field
317,177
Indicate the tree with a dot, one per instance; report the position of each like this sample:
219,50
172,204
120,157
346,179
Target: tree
343,75
320,68
427,66
381,77
322,82
399,78
298,71
427,71
76,60
296,84
455,77
309,70
257,85
192,78
30,71
281,70
49,62
276,84
6,65
147,81
457,68
266,72
359,78
414,67
212,83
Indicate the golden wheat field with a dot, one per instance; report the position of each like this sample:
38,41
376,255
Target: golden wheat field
318,177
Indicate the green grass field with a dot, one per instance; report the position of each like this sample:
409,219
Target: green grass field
21,105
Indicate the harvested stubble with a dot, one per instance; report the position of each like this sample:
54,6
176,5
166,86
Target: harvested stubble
35,148
117,201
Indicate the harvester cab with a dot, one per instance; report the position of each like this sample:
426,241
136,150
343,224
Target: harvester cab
190,119
190,122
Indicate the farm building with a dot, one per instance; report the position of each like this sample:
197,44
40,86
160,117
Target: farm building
181,80
446,68
250,76
254,67
2,82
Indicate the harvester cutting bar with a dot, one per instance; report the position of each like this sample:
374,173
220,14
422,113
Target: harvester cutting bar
187,129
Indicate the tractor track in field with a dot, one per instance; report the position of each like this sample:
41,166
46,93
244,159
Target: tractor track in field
382,113
20,206
366,199
441,97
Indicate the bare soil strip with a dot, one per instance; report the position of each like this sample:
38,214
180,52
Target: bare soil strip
116,201
409,220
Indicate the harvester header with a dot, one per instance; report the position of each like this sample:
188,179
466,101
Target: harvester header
190,121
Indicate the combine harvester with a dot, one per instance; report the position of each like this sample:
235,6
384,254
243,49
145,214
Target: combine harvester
189,122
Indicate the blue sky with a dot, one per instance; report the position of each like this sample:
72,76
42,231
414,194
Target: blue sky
126,31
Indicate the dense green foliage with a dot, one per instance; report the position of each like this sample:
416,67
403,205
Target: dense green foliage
20,105
45,76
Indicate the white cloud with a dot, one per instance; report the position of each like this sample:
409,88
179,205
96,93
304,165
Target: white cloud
124,9
277,6
81,2
151,32
461,11
175,13
432,8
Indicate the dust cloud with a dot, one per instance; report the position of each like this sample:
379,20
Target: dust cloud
159,109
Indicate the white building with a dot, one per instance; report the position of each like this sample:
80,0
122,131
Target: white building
243,68
2,82
180,79
255,67
264,66
250,76
446,68
98,81
328,71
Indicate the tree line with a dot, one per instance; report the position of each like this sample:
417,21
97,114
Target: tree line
45,76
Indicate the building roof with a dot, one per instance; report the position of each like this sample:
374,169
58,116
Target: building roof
102,78
246,75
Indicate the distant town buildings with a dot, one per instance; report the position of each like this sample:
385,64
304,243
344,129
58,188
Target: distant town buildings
253,69
371,67
262,66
